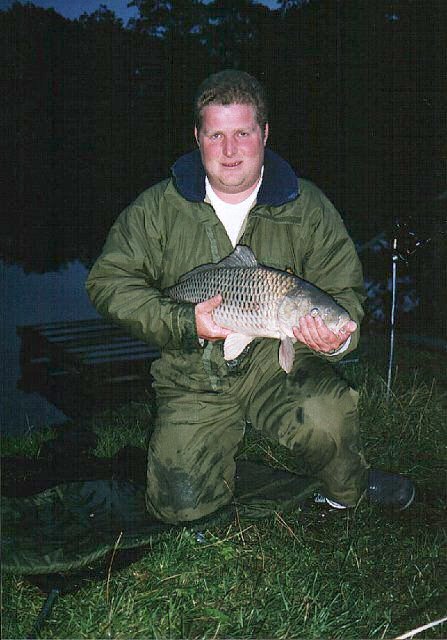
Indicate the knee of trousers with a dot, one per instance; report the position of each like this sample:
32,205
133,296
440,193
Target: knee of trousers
175,496
330,427
337,453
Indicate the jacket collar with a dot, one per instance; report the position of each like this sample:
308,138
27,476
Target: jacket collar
279,184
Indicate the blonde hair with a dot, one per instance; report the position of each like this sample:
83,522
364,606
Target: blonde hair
231,87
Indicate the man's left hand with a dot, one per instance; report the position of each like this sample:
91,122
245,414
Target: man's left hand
316,335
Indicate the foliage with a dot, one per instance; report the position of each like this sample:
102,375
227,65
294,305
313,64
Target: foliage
96,112
312,573
169,19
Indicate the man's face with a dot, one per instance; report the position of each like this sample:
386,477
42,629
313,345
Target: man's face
232,148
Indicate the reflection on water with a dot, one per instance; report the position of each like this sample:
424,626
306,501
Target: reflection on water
31,299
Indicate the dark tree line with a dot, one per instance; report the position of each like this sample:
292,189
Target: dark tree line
94,112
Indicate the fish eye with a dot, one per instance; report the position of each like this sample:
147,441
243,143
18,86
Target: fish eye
314,312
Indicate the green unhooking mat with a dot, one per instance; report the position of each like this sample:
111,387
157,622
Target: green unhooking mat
67,526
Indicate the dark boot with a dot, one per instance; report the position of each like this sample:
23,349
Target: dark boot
385,489
390,490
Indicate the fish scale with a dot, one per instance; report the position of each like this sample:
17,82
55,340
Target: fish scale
257,301
250,296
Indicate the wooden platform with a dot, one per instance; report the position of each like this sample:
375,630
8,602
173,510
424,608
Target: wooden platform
85,366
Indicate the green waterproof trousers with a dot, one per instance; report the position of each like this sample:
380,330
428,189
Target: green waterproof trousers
311,411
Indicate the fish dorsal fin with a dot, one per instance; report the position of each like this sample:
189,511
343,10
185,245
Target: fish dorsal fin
242,256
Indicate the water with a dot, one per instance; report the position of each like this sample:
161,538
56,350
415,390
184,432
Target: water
31,299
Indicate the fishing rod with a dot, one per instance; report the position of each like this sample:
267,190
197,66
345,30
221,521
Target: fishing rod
395,258
407,238
406,241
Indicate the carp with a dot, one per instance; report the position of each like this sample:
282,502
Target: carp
257,301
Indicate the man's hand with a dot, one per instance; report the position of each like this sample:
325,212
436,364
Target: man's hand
207,329
315,334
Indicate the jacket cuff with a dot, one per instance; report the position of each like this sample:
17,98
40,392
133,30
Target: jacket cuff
342,348
184,329
348,346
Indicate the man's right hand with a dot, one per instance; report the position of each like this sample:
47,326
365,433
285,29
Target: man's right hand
207,329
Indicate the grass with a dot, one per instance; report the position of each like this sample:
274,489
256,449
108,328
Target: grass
311,573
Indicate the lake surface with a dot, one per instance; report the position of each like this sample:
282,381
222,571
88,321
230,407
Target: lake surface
57,297
31,299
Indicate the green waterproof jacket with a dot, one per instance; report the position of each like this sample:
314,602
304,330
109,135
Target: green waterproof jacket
170,229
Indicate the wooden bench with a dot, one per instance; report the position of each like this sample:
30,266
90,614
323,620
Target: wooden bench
79,363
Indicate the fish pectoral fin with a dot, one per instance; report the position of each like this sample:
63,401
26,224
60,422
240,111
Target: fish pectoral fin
234,344
286,354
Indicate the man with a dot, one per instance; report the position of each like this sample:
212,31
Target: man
233,190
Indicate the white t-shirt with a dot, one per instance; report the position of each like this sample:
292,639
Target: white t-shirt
232,216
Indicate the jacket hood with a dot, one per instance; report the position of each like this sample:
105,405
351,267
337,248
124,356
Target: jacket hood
279,183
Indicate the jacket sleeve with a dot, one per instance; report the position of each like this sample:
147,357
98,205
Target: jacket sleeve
331,262
123,284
